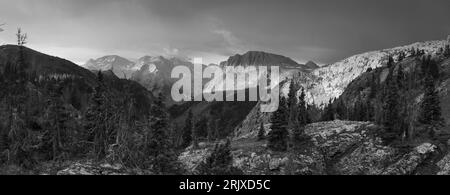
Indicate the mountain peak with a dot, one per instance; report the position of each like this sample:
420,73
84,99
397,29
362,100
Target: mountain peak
259,58
311,65
119,65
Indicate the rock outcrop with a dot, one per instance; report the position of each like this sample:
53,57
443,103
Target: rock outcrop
90,168
336,148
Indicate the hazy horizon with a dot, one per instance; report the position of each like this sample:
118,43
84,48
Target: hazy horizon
320,31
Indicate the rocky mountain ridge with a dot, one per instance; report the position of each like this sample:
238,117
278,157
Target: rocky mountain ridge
331,80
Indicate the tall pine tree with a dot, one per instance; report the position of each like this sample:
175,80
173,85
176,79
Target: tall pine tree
391,110
298,134
430,107
96,119
447,51
278,136
261,132
159,146
220,162
187,130
292,104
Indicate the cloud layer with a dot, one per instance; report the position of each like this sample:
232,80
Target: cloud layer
319,30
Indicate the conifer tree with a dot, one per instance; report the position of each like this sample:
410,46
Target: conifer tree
278,136
211,130
302,110
360,110
196,133
447,51
390,62
292,104
370,111
298,134
373,87
187,130
433,68
341,109
96,119
413,52
220,162
430,107
4,143
56,116
391,110
159,146
400,77
217,129
21,38
329,112
401,56
261,132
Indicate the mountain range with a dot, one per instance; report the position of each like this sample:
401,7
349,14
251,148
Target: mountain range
322,83
336,147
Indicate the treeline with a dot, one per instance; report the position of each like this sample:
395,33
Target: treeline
391,103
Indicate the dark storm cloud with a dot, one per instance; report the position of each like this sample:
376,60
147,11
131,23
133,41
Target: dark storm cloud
319,30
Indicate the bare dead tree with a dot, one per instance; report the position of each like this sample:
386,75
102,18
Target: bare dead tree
1,29
21,38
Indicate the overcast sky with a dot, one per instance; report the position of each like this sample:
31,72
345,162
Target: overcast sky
318,30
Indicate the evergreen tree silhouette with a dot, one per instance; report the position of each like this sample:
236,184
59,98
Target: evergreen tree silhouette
278,135
391,110
292,104
430,107
220,162
261,132
187,130
159,146
97,118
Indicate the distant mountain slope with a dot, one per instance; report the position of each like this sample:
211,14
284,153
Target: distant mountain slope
334,78
80,82
311,65
44,64
122,67
259,58
152,72
288,68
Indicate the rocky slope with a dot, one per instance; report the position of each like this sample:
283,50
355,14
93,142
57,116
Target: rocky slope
334,78
337,148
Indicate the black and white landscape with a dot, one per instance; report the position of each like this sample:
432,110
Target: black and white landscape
86,87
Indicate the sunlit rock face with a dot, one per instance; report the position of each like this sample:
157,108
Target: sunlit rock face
334,78
122,67
336,148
